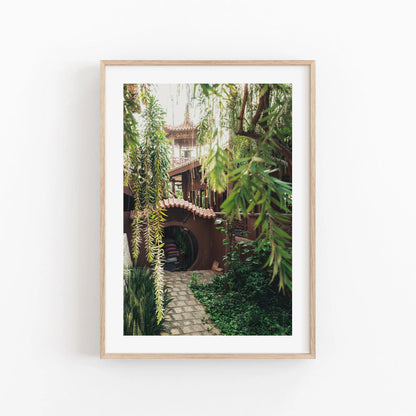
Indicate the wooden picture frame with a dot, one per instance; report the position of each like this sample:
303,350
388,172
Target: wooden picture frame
306,65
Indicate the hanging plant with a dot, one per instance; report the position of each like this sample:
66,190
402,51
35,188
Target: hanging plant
146,167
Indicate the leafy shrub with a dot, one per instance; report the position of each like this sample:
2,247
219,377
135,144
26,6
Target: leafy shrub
195,278
140,311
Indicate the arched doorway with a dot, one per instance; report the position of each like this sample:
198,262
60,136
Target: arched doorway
181,248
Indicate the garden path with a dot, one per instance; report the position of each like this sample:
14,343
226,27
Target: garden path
186,315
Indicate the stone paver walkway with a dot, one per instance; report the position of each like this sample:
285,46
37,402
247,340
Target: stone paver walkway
186,315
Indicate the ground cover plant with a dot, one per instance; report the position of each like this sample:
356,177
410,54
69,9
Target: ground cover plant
244,301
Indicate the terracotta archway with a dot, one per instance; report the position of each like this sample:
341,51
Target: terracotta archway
198,259
200,222
201,230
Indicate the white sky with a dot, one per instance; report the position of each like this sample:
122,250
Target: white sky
173,98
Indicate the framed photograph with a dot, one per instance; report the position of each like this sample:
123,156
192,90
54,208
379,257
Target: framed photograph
207,209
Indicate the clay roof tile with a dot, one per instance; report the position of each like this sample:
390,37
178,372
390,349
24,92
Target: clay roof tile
180,203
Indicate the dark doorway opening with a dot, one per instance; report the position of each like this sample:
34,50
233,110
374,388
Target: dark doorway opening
181,248
128,202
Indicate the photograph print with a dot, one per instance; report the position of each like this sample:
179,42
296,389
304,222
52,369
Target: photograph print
207,215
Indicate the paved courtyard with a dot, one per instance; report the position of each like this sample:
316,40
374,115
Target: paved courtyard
186,315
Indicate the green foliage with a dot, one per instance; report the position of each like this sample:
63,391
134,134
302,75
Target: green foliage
134,96
254,185
195,278
258,155
242,301
140,308
179,193
146,167
214,167
147,161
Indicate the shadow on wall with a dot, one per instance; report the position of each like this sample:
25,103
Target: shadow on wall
81,89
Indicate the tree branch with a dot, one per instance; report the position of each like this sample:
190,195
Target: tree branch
243,107
263,104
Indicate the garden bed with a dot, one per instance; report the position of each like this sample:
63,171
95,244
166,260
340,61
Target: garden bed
250,307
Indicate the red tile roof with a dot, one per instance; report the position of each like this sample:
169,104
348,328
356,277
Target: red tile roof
182,128
180,203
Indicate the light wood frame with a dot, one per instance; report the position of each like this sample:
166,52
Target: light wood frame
312,188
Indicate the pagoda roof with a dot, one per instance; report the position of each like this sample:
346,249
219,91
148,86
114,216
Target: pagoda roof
186,127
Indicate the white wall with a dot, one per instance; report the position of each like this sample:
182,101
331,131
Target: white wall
49,172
